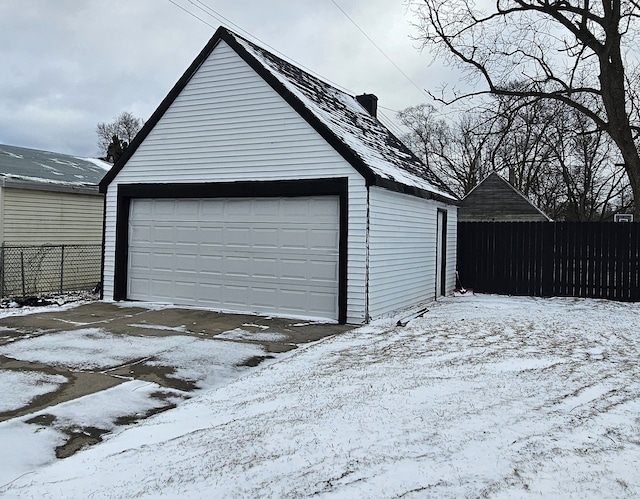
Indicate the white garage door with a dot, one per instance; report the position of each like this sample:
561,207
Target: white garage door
267,255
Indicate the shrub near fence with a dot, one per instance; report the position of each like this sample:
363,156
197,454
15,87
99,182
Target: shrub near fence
582,259
31,270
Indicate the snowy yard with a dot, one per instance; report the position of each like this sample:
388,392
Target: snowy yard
483,396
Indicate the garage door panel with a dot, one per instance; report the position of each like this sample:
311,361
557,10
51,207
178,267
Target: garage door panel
162,261
237,266
266,238
324,301
138,260
296,299
238,207
264,268
162,209
138,286
323,271
187,208
264,298
236,295
210,235
325,207
294,269
210,264
267,208
162,234
186,233
209,293
323,240
185,289
186,263
294,238
270,255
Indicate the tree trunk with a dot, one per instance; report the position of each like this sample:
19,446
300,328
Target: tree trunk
614,98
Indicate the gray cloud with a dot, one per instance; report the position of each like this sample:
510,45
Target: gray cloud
69,64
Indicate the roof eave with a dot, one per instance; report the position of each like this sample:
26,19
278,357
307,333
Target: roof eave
90,189
393,185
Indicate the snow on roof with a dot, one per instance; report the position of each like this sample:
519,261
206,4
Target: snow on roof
379,150
44,167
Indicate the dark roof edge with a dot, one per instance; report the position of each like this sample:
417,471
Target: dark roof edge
162,108
395,186
33,185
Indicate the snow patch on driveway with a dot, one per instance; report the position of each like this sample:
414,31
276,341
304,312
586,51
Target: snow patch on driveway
242,334
20,387
90,348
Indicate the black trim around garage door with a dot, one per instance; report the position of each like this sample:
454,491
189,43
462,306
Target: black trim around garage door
278,188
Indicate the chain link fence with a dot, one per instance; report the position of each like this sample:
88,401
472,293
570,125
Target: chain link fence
31,270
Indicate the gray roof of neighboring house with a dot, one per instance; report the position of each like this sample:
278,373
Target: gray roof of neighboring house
52,171
494,199
360,138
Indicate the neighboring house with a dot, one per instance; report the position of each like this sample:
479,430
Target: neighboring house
257,187
496,200
49,198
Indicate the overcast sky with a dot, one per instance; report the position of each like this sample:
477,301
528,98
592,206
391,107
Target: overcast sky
69,64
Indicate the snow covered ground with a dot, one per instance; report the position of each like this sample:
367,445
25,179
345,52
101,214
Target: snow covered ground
483,396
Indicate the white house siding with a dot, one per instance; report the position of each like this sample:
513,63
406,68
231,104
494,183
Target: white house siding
452,246
402,250
35,217
227,125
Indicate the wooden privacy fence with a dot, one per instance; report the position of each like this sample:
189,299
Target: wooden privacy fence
582,259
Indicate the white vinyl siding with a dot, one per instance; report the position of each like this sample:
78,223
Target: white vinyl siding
452,246
262,255
229,125
36,217
402,250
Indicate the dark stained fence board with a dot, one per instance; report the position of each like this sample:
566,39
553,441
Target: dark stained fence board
581,259
633,255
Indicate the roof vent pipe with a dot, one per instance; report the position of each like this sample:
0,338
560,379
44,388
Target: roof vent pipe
369,102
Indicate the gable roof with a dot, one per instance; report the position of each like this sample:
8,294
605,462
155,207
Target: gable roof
495,199
378,155
45,170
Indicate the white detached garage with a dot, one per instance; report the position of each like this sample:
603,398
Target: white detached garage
257,187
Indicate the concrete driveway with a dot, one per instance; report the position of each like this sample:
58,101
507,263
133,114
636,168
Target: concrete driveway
271,336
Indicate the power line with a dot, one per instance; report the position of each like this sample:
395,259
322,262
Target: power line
224,20
388,109
388,122
192,14
421,90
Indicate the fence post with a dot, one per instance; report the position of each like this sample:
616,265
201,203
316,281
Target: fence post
2,270
61,268
548,253
22,272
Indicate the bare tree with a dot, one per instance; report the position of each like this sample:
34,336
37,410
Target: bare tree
577,52
424,127
586,160
114,137
454,152
523,150
547,150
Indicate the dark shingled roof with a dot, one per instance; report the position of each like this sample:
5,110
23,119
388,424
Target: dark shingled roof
49,170
494,199
360,138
